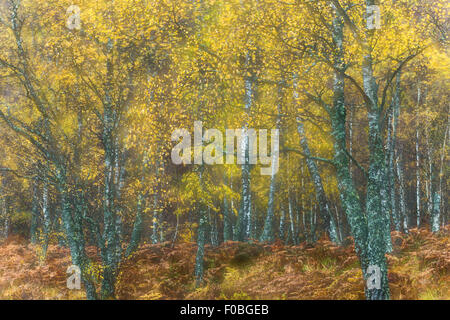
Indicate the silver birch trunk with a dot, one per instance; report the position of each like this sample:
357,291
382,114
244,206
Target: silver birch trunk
268,232
245,216
417,162
325,212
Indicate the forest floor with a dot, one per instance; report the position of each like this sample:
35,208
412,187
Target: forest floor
419,268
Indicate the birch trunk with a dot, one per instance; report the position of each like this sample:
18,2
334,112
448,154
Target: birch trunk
349,196
393,121
5,216
417,162
34,213
376,199
268,234
292,221
227,217
109,254
403,212
201,237
245,216
75,237
282,230
46,214
325,212
441,170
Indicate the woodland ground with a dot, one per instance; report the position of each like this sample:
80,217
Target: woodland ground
419,269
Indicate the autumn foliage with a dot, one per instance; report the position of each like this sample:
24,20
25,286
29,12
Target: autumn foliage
419,269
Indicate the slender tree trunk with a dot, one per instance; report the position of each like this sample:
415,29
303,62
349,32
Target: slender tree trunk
417,163
34,213
298,218
429,181
161,225
435,201
339,224
352,111
435,218
403,212
305,231
245,216
119,182
325,212
282,229
109,254
46,214
175,235
302,199
155,219
6,222
201,237
292,220
5,216
214,230
313,223
268,232
227,217
393,121
137,227
441,170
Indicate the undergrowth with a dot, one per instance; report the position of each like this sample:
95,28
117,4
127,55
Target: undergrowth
419,268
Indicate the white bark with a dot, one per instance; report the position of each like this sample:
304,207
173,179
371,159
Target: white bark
417,164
